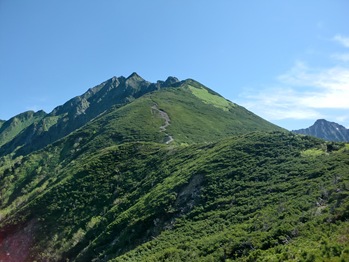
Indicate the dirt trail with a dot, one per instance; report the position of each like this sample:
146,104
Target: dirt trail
167,119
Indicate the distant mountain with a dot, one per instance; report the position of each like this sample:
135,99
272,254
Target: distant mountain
326,130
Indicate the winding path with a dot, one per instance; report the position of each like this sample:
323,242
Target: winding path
167,119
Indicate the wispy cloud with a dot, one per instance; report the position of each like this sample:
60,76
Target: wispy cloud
343,40
278,103
326,88
306,92
301,93
342,118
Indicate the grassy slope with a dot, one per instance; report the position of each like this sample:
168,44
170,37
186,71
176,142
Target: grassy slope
257,196
192,121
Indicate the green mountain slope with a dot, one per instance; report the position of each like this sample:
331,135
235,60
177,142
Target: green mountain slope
263,195
190,120
196,114
169,171
11,128
78,111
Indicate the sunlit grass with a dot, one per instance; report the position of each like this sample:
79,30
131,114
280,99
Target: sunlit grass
212,99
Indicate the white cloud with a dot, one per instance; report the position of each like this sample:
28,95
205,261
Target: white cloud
334,78
320,88
278,103
306,92
342,118
302,93
343,40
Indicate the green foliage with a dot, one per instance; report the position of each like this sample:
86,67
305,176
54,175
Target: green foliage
229,187
11,128
314,152
209,98
253,197
193,120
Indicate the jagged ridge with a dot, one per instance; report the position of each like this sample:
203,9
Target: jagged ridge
118,92
64,119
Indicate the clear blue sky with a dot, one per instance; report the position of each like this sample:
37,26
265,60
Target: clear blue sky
287,61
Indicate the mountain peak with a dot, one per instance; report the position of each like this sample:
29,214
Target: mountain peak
321,121
326,130
135,76
325,122
171,80
135,81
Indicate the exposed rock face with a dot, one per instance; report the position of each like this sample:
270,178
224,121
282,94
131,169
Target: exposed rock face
326,130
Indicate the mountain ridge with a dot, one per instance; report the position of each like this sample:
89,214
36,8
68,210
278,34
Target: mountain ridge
109,95
79,110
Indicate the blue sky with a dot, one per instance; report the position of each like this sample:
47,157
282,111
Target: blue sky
287,61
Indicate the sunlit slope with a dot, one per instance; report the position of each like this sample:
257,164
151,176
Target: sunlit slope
249,197
200,115
75,113
189,120
189,111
